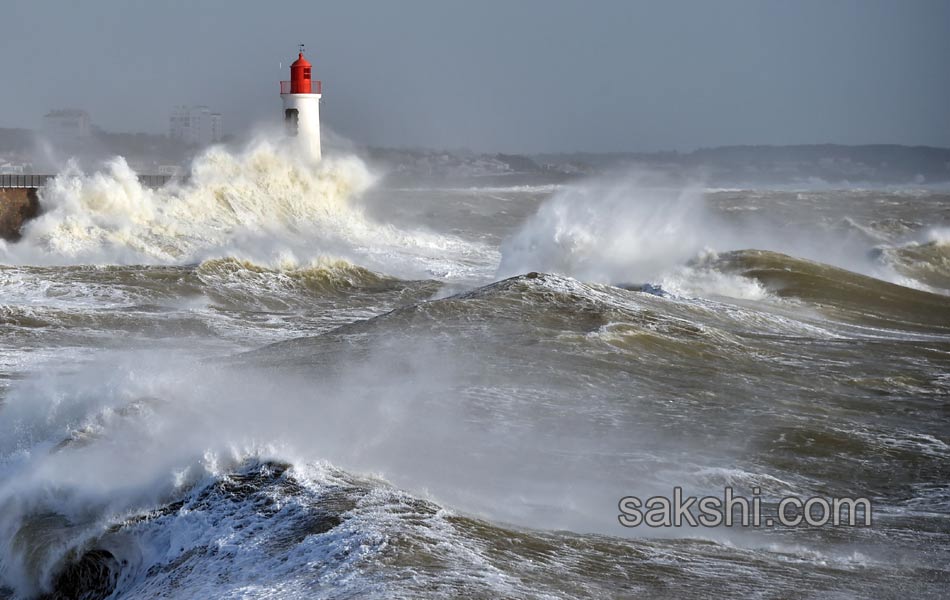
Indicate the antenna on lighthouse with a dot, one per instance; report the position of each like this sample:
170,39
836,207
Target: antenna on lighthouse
301,48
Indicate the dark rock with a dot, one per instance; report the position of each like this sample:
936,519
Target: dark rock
92,577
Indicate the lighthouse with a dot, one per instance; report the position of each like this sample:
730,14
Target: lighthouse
301,96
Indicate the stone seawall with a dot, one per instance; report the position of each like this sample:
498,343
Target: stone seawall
17,205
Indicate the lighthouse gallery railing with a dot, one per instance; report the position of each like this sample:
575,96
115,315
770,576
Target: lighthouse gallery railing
316,87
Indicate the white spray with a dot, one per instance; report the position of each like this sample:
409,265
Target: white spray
642,228
270,203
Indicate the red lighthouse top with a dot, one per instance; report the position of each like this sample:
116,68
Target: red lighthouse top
300,70
300,76
301,81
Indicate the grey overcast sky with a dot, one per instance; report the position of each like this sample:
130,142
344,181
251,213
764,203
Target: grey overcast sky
508,75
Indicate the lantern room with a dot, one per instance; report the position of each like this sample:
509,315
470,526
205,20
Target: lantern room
300,71
301,78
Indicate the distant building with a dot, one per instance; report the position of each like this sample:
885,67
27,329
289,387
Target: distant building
171,170
68,124
195,125
7,168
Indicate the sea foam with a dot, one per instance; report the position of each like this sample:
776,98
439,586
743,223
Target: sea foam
265,203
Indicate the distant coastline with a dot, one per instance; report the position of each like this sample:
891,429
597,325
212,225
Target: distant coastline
726,166
22,150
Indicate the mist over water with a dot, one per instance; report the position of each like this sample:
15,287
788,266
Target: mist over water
613,231
644,228
279,376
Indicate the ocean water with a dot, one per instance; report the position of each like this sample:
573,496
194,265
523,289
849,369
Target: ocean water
282,379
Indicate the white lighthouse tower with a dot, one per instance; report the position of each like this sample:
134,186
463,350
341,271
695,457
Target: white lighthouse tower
301,96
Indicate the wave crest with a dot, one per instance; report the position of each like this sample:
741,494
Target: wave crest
321,276
614,232
233,201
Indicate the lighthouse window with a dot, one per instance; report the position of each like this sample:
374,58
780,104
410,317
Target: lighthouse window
290,120
306,73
